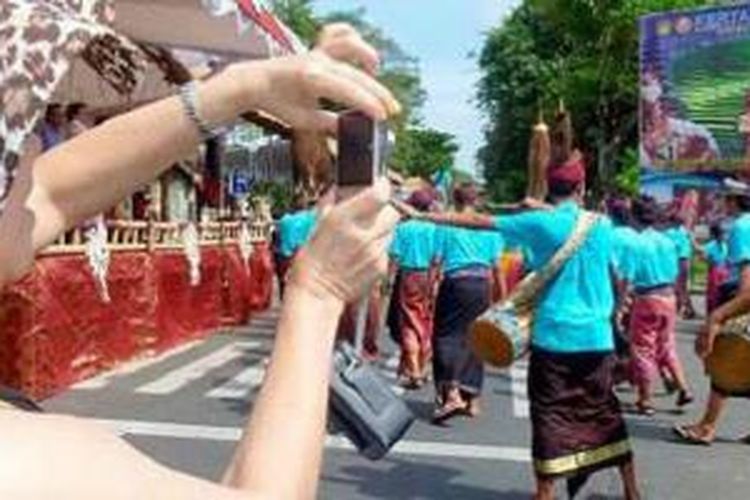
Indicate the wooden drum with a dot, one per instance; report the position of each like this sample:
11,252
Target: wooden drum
502,334
729,363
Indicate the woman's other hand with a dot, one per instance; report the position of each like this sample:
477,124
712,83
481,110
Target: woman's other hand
348,251
291,88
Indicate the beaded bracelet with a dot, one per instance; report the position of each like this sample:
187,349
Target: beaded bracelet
189,96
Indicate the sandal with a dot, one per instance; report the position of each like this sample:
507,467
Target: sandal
684,398
688,436
447,411
645,409
745,440
411,383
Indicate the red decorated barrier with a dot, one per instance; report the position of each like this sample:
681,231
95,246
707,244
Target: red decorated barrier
55,330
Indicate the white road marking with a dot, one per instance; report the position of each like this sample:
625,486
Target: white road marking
518,377
232,434
179,378
241,385
129,368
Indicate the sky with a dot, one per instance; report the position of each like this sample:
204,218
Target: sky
441,34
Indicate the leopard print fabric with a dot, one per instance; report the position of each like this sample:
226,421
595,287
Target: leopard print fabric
38,40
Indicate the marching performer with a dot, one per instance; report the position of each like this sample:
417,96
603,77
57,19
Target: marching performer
577,423
715,253
654,315
414,252
468,259
734,299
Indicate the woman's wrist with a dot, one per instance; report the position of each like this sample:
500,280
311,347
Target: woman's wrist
306,279
234,91
325,303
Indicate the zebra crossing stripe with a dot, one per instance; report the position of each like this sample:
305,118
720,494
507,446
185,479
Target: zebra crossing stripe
406,447
179,378
239,386
104,380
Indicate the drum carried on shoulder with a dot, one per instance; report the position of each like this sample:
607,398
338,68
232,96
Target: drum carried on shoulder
729,362
502,334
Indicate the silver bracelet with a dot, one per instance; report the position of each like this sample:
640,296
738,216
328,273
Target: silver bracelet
189,96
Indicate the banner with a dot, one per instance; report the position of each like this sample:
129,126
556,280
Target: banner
694,99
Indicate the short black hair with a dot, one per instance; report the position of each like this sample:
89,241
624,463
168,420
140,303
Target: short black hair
73,109
645,211
717,231
563,189
743,202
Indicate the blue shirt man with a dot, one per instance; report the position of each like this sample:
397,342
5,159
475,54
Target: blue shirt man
295,230
624,251
738,246
460,248
574,312
716,252
682,241
655,258
414,245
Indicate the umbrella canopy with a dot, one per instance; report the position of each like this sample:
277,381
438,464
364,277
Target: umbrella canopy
234,29
42,40
39,39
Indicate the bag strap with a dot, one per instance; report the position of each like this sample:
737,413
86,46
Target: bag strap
535,282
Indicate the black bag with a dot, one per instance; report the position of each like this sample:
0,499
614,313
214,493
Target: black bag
363,405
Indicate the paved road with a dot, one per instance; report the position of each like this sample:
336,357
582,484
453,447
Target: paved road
185,409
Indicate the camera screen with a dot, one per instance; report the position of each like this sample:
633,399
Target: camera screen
356,161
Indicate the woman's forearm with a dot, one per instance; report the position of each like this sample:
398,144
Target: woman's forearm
95,170
280,453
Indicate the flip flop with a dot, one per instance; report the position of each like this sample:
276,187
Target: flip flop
745,440
645,410
447,411
688,437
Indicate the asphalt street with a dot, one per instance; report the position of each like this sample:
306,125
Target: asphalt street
186,407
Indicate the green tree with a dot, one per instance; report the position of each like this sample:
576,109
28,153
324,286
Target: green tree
299,16
423,151
583,52
399,70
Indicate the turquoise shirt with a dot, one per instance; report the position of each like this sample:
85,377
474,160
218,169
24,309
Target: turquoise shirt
574,312
656,260
738,246
623,251
414,245
716,252
295,231
681,239
460,248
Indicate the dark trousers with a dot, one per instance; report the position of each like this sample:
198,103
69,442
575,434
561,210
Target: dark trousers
460,301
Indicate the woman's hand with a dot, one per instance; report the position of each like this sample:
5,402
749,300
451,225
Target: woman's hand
290,89
348,251
341,41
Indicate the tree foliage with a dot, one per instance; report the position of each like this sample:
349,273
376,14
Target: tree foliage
299,16
582,52
399,72
422,151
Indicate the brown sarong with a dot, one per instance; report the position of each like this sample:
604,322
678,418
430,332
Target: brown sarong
415,322
577,424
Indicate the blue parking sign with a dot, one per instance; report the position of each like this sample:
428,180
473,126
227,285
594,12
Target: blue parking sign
240,184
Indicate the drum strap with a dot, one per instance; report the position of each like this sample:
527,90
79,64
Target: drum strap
534,283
